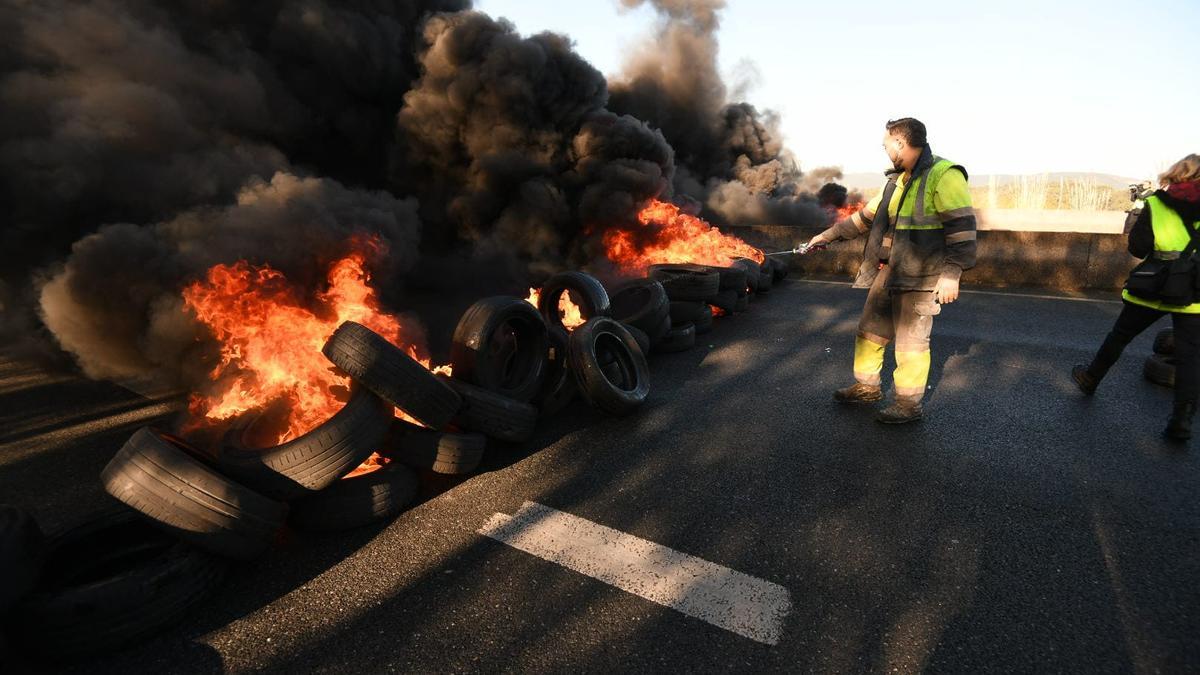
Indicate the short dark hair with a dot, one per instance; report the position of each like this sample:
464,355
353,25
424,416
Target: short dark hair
910,129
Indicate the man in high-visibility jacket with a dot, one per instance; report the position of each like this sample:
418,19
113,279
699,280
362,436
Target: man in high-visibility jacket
920,238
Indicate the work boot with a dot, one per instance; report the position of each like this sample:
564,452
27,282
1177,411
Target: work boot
1086,381
858,393
1179,427
901,411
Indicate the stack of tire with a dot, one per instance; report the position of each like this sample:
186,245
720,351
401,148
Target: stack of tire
1160,365
133,569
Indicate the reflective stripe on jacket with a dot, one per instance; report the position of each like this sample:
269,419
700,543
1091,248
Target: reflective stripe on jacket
1170,237
934,227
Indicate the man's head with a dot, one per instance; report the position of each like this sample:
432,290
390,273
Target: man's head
904,141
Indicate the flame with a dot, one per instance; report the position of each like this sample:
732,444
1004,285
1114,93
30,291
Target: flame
717,311
270,341
673,237
370,465
839,214
569,313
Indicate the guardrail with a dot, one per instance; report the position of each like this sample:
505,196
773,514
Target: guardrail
1061,250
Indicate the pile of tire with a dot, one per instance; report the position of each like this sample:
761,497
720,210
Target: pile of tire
1160,365
677,302
183,513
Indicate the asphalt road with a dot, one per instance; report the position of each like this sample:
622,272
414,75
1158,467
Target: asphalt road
1020,528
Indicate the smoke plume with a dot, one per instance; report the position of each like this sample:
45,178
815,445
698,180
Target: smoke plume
143,142
729,156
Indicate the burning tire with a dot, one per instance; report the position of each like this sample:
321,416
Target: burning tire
1160,369
162,478
587,291
1164,342
22,549
689,311
314,461
501,344
765,281
641,303
779,269
686,282
494,415
680,339
356,501
438,451
609,367
393,375
558,389
731,278
752,271
109,582
726,301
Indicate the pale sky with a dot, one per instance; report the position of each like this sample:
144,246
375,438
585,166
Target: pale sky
1007,87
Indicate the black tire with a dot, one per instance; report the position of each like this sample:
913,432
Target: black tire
726,301
494,415
641,338
439,451
704,324
641,303
1164,342
589,294
752,270
22,550
686,282
664,329
680,339
779,269
558,389
357,501
766,280
164,480
1160,369
314,461
370,360
743,303
111,581
500,344
731,278
609,367
687,311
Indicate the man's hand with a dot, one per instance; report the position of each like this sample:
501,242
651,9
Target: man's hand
946,290
819,240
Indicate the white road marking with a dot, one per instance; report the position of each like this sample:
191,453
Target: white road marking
731,600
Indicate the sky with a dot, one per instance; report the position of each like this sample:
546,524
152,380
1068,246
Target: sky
1010,87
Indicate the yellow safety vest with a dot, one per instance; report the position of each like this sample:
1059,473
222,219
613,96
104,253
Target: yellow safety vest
1170,236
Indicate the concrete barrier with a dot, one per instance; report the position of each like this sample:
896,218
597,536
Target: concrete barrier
1048,253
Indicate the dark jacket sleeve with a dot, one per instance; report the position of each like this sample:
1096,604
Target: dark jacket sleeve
1141,236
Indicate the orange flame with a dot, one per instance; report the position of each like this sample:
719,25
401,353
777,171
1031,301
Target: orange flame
569,313
270,341
677,237
370,465
846,211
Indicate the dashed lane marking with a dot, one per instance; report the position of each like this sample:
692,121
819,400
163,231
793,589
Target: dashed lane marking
726,598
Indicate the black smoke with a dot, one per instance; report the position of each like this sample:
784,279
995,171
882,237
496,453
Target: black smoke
729,155
143,141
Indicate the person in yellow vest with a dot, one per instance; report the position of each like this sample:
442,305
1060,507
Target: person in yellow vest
1161,231
920,238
